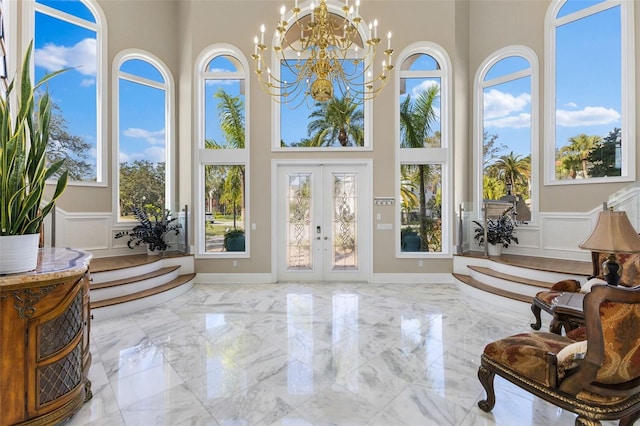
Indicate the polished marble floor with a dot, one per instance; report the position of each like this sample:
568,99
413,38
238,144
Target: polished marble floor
306,354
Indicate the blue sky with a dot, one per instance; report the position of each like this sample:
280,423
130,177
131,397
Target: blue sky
507,106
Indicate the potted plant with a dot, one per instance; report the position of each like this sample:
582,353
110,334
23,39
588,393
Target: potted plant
152,230
234,240
500,230
24,171
409,239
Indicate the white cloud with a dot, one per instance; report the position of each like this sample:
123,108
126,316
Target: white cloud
223,82
513,121
151,137
499,104
153,154
571,105
81,57
88,82
423,87
588,116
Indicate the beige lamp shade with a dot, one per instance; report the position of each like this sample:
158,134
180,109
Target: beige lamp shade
613,233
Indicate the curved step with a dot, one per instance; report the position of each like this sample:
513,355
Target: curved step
137,278
177,282
508,277
472,282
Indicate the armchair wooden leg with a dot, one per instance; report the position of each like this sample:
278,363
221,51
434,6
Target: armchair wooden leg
486,378
536,313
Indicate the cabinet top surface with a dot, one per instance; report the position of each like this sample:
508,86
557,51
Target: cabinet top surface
54,263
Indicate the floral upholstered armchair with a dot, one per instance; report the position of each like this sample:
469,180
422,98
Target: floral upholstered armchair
597,379
546,300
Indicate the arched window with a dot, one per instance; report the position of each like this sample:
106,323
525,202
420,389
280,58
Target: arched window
306,125
69,34
590,129
143,125
423,151
505,128
223,157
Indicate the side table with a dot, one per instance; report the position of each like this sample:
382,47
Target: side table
567,313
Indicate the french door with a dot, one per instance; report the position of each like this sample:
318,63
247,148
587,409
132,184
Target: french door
323,222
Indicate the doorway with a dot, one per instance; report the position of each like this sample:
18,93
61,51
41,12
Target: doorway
323,222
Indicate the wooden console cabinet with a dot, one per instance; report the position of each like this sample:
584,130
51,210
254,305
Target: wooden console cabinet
44,339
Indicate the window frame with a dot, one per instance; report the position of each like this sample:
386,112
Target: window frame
442,156
100,28
627,86
220,157
478,118
168,87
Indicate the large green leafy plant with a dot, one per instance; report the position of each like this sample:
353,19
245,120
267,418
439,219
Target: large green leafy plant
23,163
500,231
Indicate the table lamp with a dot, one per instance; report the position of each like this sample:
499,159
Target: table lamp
613,234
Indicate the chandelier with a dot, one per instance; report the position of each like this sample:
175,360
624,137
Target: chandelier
322,55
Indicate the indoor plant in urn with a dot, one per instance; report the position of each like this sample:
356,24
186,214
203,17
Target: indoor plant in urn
24,171
500,232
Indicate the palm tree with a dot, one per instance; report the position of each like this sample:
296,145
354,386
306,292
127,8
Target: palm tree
581,146
231,113
513,169
336,119
416,119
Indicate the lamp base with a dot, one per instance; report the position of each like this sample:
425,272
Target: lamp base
612,270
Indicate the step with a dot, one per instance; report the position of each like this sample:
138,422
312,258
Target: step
512,278
470,281
134,284
134,302
137,278
116,268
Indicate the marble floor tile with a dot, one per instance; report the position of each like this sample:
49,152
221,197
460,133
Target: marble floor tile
301,354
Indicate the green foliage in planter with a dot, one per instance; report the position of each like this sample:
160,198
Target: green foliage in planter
154,226
23,165
500,230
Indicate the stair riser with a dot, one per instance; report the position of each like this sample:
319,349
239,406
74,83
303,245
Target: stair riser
492,299
130,288
503,284
133,306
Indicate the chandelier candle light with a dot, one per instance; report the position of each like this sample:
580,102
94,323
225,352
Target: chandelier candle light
324,53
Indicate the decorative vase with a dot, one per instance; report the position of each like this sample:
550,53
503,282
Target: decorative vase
19,253
495,250
153,252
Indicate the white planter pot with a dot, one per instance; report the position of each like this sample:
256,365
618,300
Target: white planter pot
19,253
495,250
153,253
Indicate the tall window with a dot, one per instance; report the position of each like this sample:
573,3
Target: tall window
506,123
590,50
223,152
423,173
68,34
144,133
